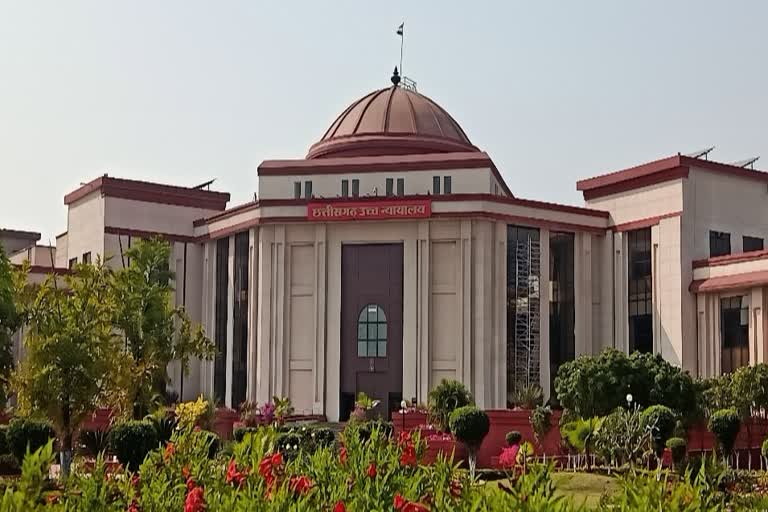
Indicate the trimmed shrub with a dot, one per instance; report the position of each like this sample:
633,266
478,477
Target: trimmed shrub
132,441
513,438
678,448
448,396
94,442
239,433
470,425
725,425
660,420
322,437
27,432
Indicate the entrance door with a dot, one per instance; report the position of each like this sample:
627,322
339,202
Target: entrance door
372,326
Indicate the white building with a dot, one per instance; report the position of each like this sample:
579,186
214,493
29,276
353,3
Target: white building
394,255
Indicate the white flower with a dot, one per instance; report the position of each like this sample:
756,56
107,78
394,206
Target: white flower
295,447
629,398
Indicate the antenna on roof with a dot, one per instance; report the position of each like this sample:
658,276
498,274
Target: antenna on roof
702,153
206,185
749,162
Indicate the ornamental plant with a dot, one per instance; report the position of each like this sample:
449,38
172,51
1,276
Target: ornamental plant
725,425
132,441
445,398
194,414
470,425
659,420
677,448
514,437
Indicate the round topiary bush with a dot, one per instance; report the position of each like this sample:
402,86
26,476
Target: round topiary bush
725,425
132,441
514,437
448,396
660,420
677,447
29,433
470,425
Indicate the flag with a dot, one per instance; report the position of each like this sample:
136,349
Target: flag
400,29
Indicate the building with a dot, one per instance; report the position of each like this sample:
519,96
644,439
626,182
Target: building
394,255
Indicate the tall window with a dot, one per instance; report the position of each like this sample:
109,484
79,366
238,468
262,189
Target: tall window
752,243
640,290
355,188
220,326
240,319
447,185
523,306
562,310
390,187
344,188
719,244
307,190
734,333
436,185
401,186
297,190
372,332
87,258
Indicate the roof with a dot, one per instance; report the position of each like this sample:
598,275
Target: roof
19,234
394,120
730,282
658,171
151,193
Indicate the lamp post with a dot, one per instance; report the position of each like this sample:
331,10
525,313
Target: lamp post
403,407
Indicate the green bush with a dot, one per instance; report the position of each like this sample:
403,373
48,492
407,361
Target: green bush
541,421
677,448
527,396
8,464
239,433
660,421
27,432
764,448
513,437
131,441
725,425
322,437
470,425
164,424
4,448
448,396
94,442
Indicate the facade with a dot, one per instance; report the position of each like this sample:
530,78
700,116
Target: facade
394,255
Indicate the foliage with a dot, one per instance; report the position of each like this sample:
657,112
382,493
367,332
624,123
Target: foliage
717,394
195,414
28,433
34,471
659,420
764,448
8,464
596,385
71,353
164,424
10,321
623,437
582,435
189,341
541,421
94,441
445,398
725,425
132,441
527,395
470,425
249,414
532,491
211,440
4,448
239,433
677,448
513,437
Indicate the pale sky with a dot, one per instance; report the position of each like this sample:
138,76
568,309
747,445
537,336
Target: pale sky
183,91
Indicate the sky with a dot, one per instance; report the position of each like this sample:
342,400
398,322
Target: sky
182,91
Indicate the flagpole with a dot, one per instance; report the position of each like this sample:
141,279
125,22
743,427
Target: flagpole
402,39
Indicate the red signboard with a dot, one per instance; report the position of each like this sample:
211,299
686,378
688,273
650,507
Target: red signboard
370,210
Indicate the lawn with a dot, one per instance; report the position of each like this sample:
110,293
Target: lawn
580,488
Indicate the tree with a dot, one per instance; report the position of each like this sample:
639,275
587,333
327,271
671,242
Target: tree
154,332
10,321
72,353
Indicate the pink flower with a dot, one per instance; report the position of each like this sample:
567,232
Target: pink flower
508,457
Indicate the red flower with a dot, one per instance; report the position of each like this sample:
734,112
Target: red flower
455,488
185,472
277,459
371,470
52,499
265,466
195,501
169,451
408,457
404,438
399,502
300,484
233,475
135,480
343,455
339,507
190,484
508,457
133,507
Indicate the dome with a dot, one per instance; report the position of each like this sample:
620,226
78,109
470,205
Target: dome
392,121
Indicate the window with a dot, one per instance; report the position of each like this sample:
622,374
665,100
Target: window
355,188
72,263
562,308
297,190
372,332
344,188
401,186
220,320
436,185
734,333
719,244
446,184
390,187
87,258
640,291
307,190
240,319
752,243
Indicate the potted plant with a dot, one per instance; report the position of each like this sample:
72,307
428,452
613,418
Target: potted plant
364,406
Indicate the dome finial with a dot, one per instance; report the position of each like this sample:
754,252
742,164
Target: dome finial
395,77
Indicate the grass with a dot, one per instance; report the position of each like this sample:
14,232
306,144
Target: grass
582,489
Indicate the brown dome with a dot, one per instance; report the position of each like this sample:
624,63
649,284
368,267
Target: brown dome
392,121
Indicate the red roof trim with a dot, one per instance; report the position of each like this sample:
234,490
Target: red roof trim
644,223
731,258
112,230
732,282
151,193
